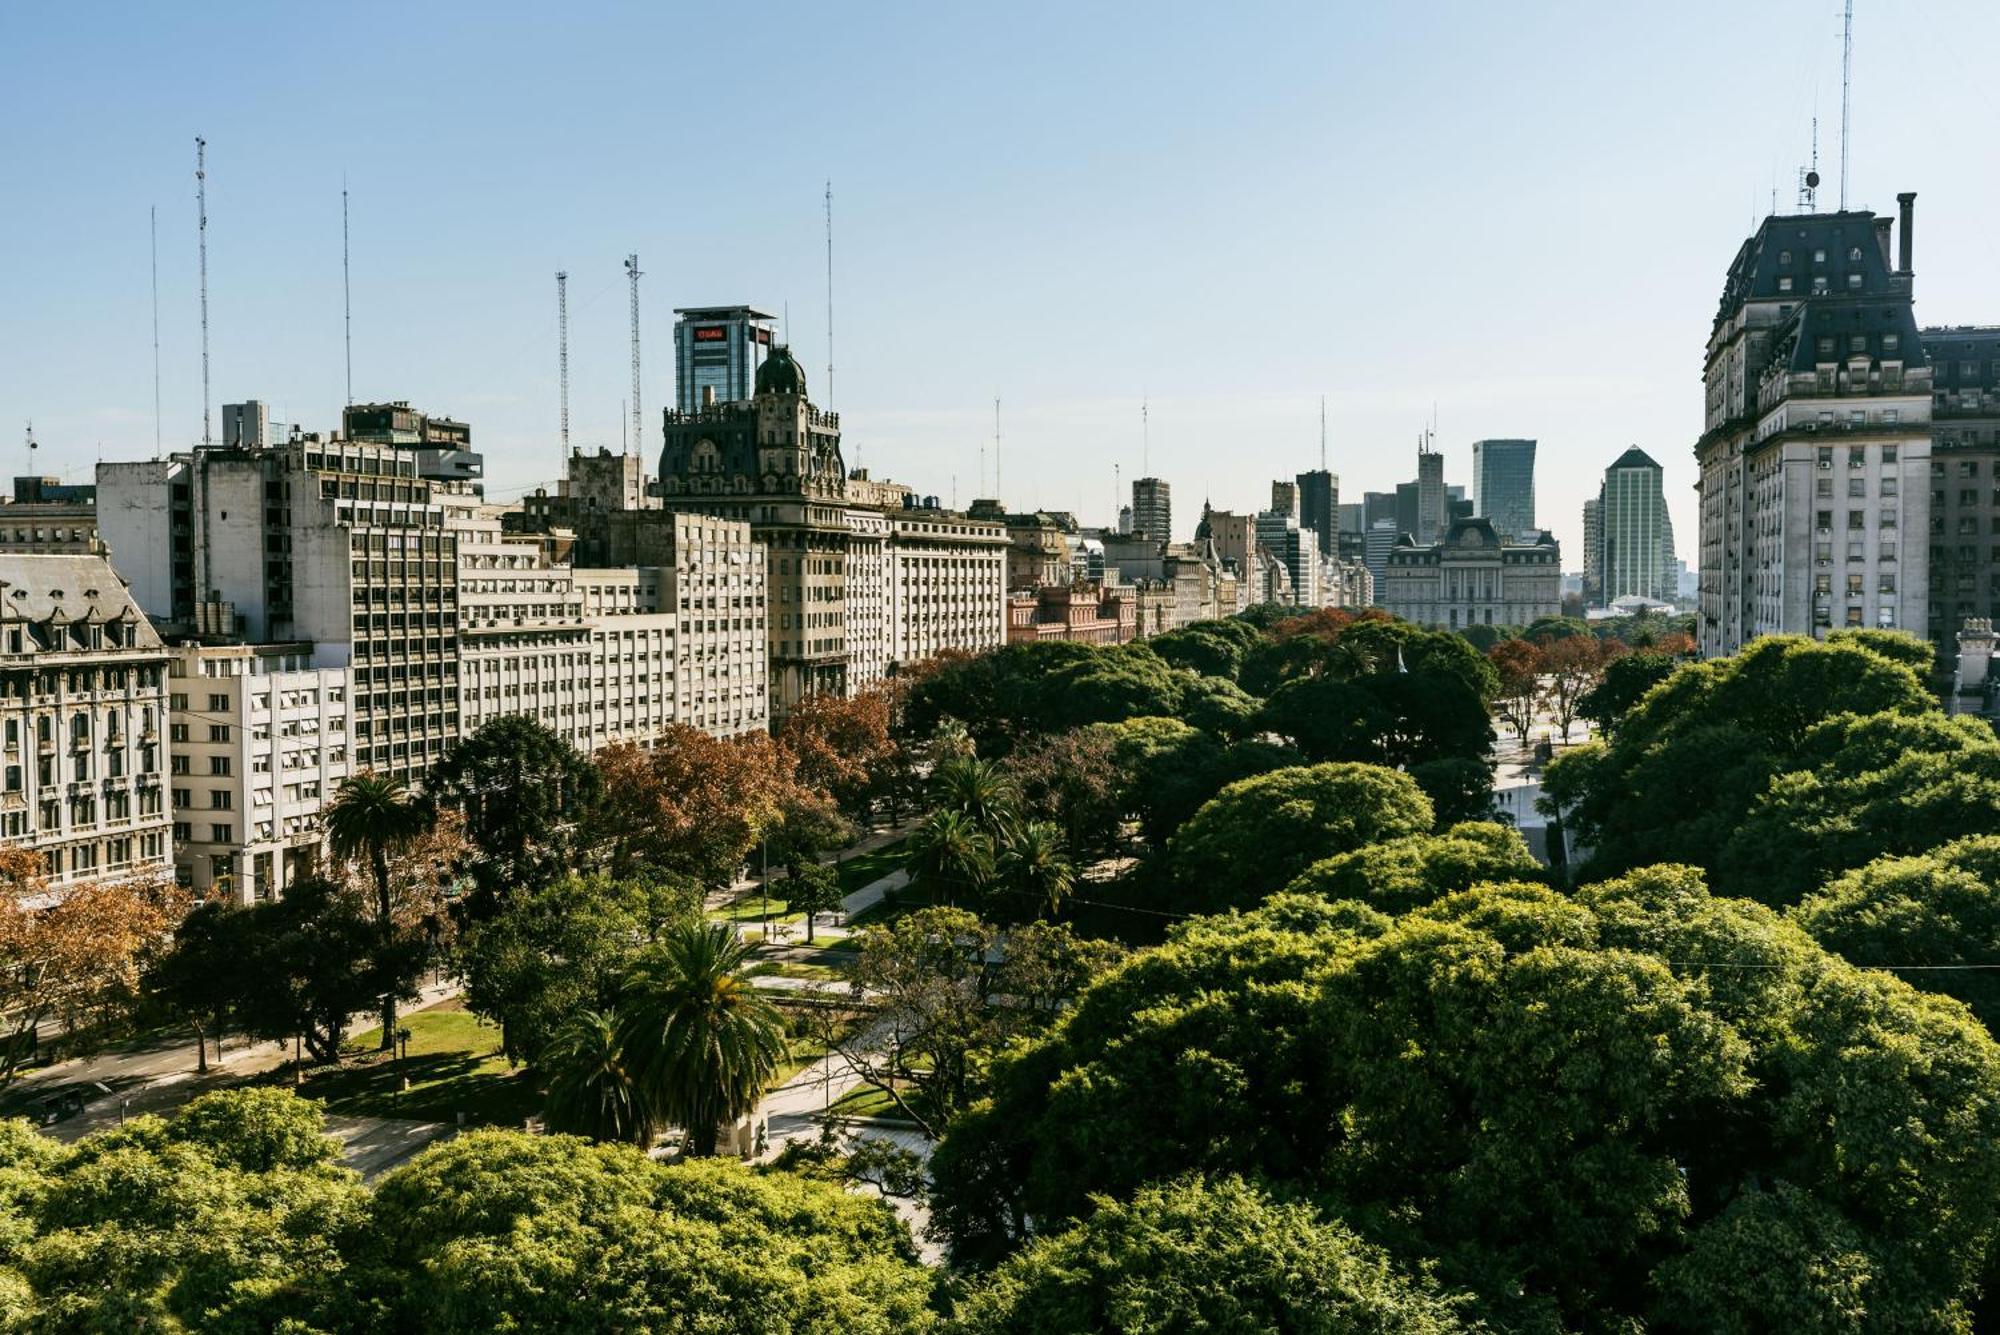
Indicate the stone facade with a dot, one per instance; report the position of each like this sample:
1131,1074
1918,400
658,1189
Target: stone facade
83,707
1473,578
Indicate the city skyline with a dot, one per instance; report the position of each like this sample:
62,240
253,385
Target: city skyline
975,233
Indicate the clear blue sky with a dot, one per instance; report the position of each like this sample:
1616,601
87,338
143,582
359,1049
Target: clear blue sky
1516,216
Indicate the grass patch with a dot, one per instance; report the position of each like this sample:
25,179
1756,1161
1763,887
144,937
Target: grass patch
868,1101
864,869
454,1065
750,906
793,969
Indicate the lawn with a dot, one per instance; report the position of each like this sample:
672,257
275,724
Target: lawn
864,869
454,1065
792,969
857,872
868,1101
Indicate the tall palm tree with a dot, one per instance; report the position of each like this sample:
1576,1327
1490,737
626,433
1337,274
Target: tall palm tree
978,790
369,815
591,1092
948,850
1035,866
701,1044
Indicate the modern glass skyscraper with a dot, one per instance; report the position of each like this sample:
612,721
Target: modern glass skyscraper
1319,508
1503,485
717,350
1638,542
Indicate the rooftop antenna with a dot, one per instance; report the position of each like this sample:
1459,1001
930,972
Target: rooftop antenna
346,293
201,214
1117,493
1322,433
1809,178
638,426
1145,436
982,469
1846,78
562,355
996,448
829,304
32,447
624,426
153,219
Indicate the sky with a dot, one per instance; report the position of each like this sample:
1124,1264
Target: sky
1510,220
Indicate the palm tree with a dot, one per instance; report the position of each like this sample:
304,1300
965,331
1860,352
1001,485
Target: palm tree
591,1093
371,813
1035,866
949,849
978,790
701,1044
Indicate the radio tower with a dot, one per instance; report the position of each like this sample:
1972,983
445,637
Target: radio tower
562,358
829,298
153,221
346,295
201,214
638,418
1846,71
1322,433
996,449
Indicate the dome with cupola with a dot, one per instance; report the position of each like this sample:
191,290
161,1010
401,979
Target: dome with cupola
781,374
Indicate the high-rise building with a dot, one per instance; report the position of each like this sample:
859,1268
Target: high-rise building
441,446
1285,498
1297,549
1503,485
1152,509
249,426
1593,551
717,351
83,711
338,544
1320,507
1377,543
1965,479
1433,501
1815,454
1636,535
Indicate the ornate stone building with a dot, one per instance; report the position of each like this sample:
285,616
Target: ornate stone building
774,461
1473,578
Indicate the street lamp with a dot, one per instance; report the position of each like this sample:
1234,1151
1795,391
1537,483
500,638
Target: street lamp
402,1055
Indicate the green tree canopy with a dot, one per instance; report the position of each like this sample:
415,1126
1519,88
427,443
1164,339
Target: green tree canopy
1205,1256
1688,762
1208,648
1258,833
1572,1106
1935,914
1397,875
1626,680
526,793
500,1231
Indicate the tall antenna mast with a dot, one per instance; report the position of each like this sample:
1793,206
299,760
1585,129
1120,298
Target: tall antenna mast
1809,178
1146,438
638,425
346,293
1117,494
153,218
201,213
562,355
1846,79
996,448
829,304
1322,433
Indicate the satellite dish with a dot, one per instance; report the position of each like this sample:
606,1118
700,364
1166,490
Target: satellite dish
1812,180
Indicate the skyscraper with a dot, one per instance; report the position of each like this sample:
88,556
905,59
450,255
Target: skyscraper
1632,512
1152,509
1432,500
1319,508
1593,552
1503,485
717,350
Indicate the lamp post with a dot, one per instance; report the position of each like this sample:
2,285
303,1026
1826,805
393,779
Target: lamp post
402,1055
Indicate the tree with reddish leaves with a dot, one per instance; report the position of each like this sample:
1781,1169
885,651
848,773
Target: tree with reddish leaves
840,745
1519,663
1573,665
694,804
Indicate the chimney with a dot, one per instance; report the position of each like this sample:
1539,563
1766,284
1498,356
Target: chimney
1906,203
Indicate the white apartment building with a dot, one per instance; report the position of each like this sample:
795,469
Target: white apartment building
867,596
83,703
601,656
1815,461
337,544
258,744
947,584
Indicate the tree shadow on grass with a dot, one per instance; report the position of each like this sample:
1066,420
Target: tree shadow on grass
442,1085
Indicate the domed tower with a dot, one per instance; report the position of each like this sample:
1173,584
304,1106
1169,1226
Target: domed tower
798,446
